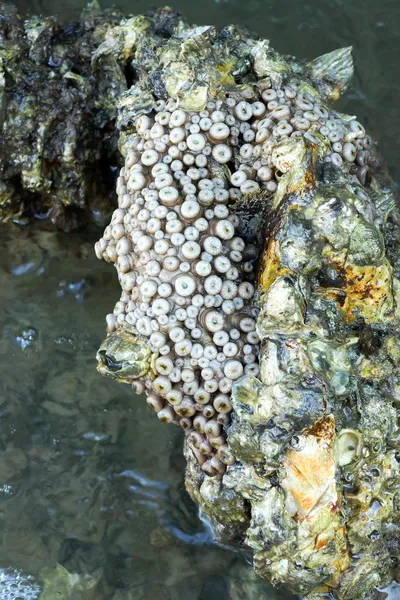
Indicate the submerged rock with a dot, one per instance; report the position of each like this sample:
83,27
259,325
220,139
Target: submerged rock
59,583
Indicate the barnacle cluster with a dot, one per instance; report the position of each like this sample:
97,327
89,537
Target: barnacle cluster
255,243
187,276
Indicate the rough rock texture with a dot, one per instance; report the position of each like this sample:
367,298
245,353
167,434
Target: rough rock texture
316,436
305,468
58,143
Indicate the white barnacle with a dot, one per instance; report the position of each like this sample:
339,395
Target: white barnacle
162,385
161,306
222,153
169,195
177,239
149,157
212,245
213,321
229,290
177,118
155,402
219,131
149,288
213,284
185,285
164,366
163,180
190,210
196,142
166,414
349,151
143,124
174,396
176,135
158,339
246,290
177,334
136,181
191,250
243,111
183,348
233,369
249,187
238,177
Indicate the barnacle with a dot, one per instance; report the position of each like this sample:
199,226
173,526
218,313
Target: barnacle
259,306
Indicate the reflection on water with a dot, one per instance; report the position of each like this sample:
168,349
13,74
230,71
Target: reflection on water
14,585
91,484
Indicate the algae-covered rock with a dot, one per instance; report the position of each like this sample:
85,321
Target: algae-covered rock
58,146
284,372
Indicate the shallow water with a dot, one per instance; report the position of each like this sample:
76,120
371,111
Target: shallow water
89,479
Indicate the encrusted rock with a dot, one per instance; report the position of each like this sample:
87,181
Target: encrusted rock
254,242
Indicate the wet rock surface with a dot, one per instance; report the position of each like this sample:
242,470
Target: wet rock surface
58,149
259,126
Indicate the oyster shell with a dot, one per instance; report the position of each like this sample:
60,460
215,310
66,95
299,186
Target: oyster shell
123,357
55,119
